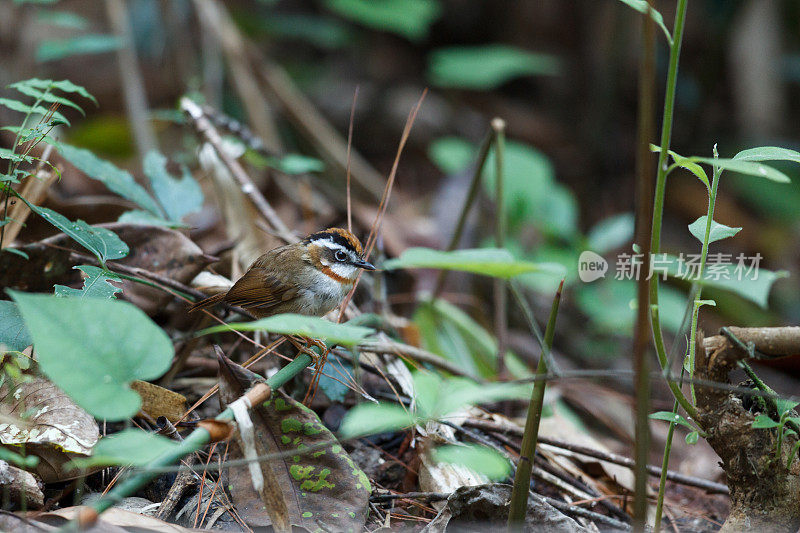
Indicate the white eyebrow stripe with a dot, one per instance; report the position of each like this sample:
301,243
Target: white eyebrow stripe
329,244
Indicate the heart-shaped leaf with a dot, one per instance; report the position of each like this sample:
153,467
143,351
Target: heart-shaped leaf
717,233
94,348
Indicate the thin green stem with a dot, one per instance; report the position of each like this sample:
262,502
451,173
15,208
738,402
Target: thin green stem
662,483
500,291
522,478
658,202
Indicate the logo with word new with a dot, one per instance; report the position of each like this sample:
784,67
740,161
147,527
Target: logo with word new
591,266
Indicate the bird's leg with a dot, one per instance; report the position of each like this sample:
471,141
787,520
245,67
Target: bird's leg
319,362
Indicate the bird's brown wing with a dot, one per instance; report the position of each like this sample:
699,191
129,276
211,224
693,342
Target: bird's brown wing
263,286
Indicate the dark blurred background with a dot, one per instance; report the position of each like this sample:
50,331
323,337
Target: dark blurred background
562,74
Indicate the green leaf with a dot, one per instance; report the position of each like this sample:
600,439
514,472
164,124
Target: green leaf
764,422
178,197
27,462
49,97
495,262
13,333
16,105
671,417
745,167
116,179
717,233
304,326
742,276
74,46
451,154
62,85
96,284
475,457
333,378
374,418
784,406
486,67
768,153
92,349
324,32
146,218
437,397
410,18
129,447
692,437
102,242
610,233
691,166
642,7
297,164
64,19
14,251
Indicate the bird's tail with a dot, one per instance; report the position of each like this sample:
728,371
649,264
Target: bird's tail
208,302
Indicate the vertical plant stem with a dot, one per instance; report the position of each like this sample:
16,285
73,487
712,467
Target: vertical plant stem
500,290
522,478
644,192
658,202
662,483
472,193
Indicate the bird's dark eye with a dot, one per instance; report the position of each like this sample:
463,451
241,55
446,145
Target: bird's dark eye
340,256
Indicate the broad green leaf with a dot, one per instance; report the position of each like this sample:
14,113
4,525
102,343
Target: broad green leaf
64,19
62,85
409,18
486,67
92,349
324,32
334,377
784,406
305,326
740,275
745,167
438,397
671,417
178,197
372,418
495,262
717,233
129,447
16,105
475,457
642,7
96,284
9,249
13,333
768,153
692,437
116,179
452,154
610,233
75,46
764,422
146,218
102,242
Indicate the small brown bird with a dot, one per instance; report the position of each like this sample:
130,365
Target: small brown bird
310,277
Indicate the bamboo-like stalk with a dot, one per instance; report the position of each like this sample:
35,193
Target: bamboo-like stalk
193,442
522,479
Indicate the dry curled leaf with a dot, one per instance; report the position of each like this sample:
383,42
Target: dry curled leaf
52,426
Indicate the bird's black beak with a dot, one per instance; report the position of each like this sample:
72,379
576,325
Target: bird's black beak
364,264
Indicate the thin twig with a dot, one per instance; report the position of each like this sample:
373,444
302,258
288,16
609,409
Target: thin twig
204,126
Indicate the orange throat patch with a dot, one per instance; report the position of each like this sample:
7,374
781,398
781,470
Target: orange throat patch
334,276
